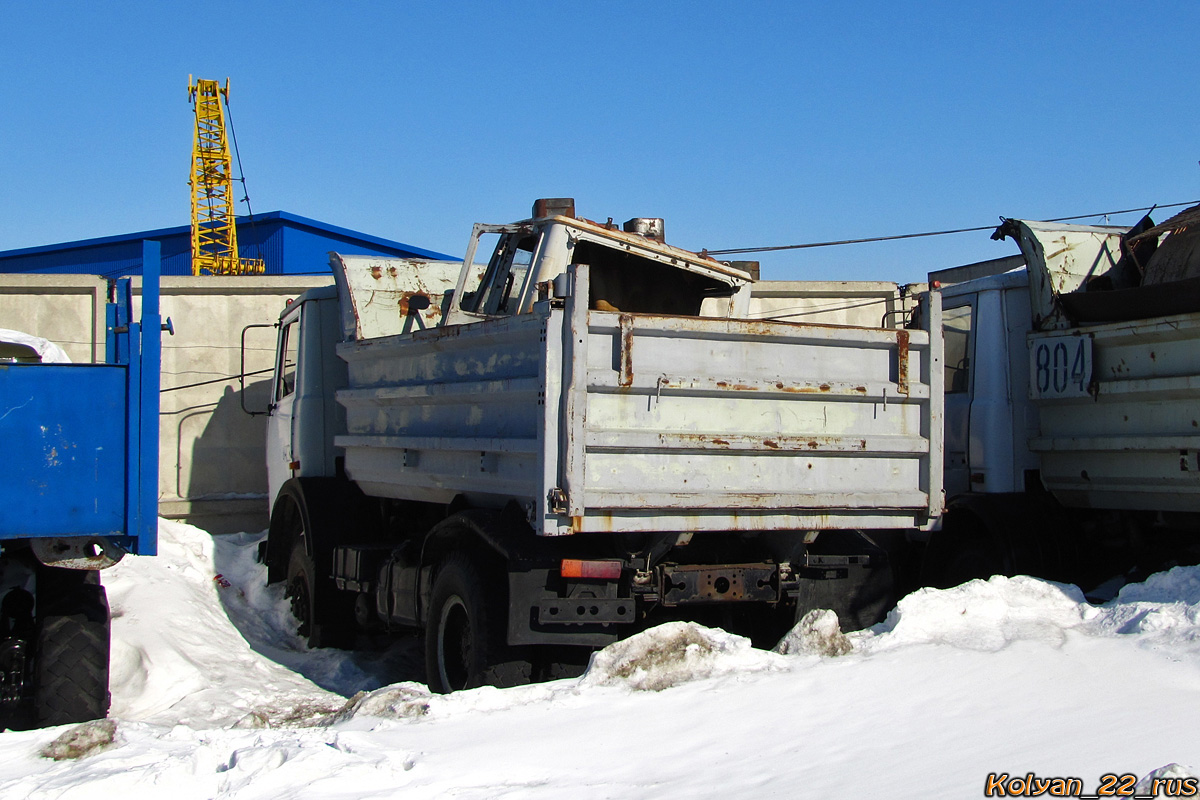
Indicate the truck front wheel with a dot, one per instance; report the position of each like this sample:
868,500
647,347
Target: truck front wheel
464,640
325,615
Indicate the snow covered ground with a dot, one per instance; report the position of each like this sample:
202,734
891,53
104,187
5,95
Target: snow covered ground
214,697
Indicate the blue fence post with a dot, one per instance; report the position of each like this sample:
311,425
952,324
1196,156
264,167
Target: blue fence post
150,345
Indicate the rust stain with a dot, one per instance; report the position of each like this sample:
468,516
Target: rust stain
771,443
726,443
376,273
405,304
824,387
902,361
860,389
812,445
626,376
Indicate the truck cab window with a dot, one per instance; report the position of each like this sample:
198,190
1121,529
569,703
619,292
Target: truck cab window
289,337
500,288
956,323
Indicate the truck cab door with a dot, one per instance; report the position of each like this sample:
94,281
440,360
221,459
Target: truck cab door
280,439
957,319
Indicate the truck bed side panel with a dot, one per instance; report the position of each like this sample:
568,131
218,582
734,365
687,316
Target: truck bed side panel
446,411
725,424
64,434
1131,443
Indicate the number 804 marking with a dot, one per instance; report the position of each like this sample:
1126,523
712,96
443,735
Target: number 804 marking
1061,366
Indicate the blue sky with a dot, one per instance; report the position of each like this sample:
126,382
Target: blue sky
742,124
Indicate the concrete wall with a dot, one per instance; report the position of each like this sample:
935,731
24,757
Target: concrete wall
66,309
211,453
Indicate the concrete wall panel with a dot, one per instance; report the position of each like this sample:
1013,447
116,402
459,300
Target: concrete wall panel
211,454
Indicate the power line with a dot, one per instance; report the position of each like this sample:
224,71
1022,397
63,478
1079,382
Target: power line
225,379
735,250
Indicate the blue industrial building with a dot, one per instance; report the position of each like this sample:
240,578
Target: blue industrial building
289,244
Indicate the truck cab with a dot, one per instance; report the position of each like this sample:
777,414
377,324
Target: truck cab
994,498
303,412
989,416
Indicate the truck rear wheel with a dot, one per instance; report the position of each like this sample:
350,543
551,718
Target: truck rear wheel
464,640
71,649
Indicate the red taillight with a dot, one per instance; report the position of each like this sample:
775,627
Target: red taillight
601,570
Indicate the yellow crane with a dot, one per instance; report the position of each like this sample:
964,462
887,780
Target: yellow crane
214,234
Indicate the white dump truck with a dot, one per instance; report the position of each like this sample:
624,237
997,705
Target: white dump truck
1072,380
591,433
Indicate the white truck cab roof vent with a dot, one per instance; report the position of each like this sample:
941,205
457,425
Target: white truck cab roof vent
650,227
554,207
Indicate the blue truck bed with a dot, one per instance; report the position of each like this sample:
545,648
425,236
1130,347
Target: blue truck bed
81,440
78,490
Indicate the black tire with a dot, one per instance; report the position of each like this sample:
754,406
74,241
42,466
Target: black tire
325,614
71,650
465,633
555,662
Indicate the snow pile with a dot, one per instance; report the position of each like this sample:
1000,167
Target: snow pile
1165,609
675,653
48,351
402,701
82,740
981,615
991,615
176,656
818,633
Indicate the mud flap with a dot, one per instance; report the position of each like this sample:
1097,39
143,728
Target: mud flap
860,588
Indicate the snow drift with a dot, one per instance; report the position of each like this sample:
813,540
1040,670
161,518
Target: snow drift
214,696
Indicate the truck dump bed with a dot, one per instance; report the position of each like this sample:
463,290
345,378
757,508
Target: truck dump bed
608,421
1118,401
81,440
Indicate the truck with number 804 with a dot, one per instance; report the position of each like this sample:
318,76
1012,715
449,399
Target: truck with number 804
1073,405
78,490
591,433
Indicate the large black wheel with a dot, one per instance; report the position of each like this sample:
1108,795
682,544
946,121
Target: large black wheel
325,616
465,634
299,592
70,649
